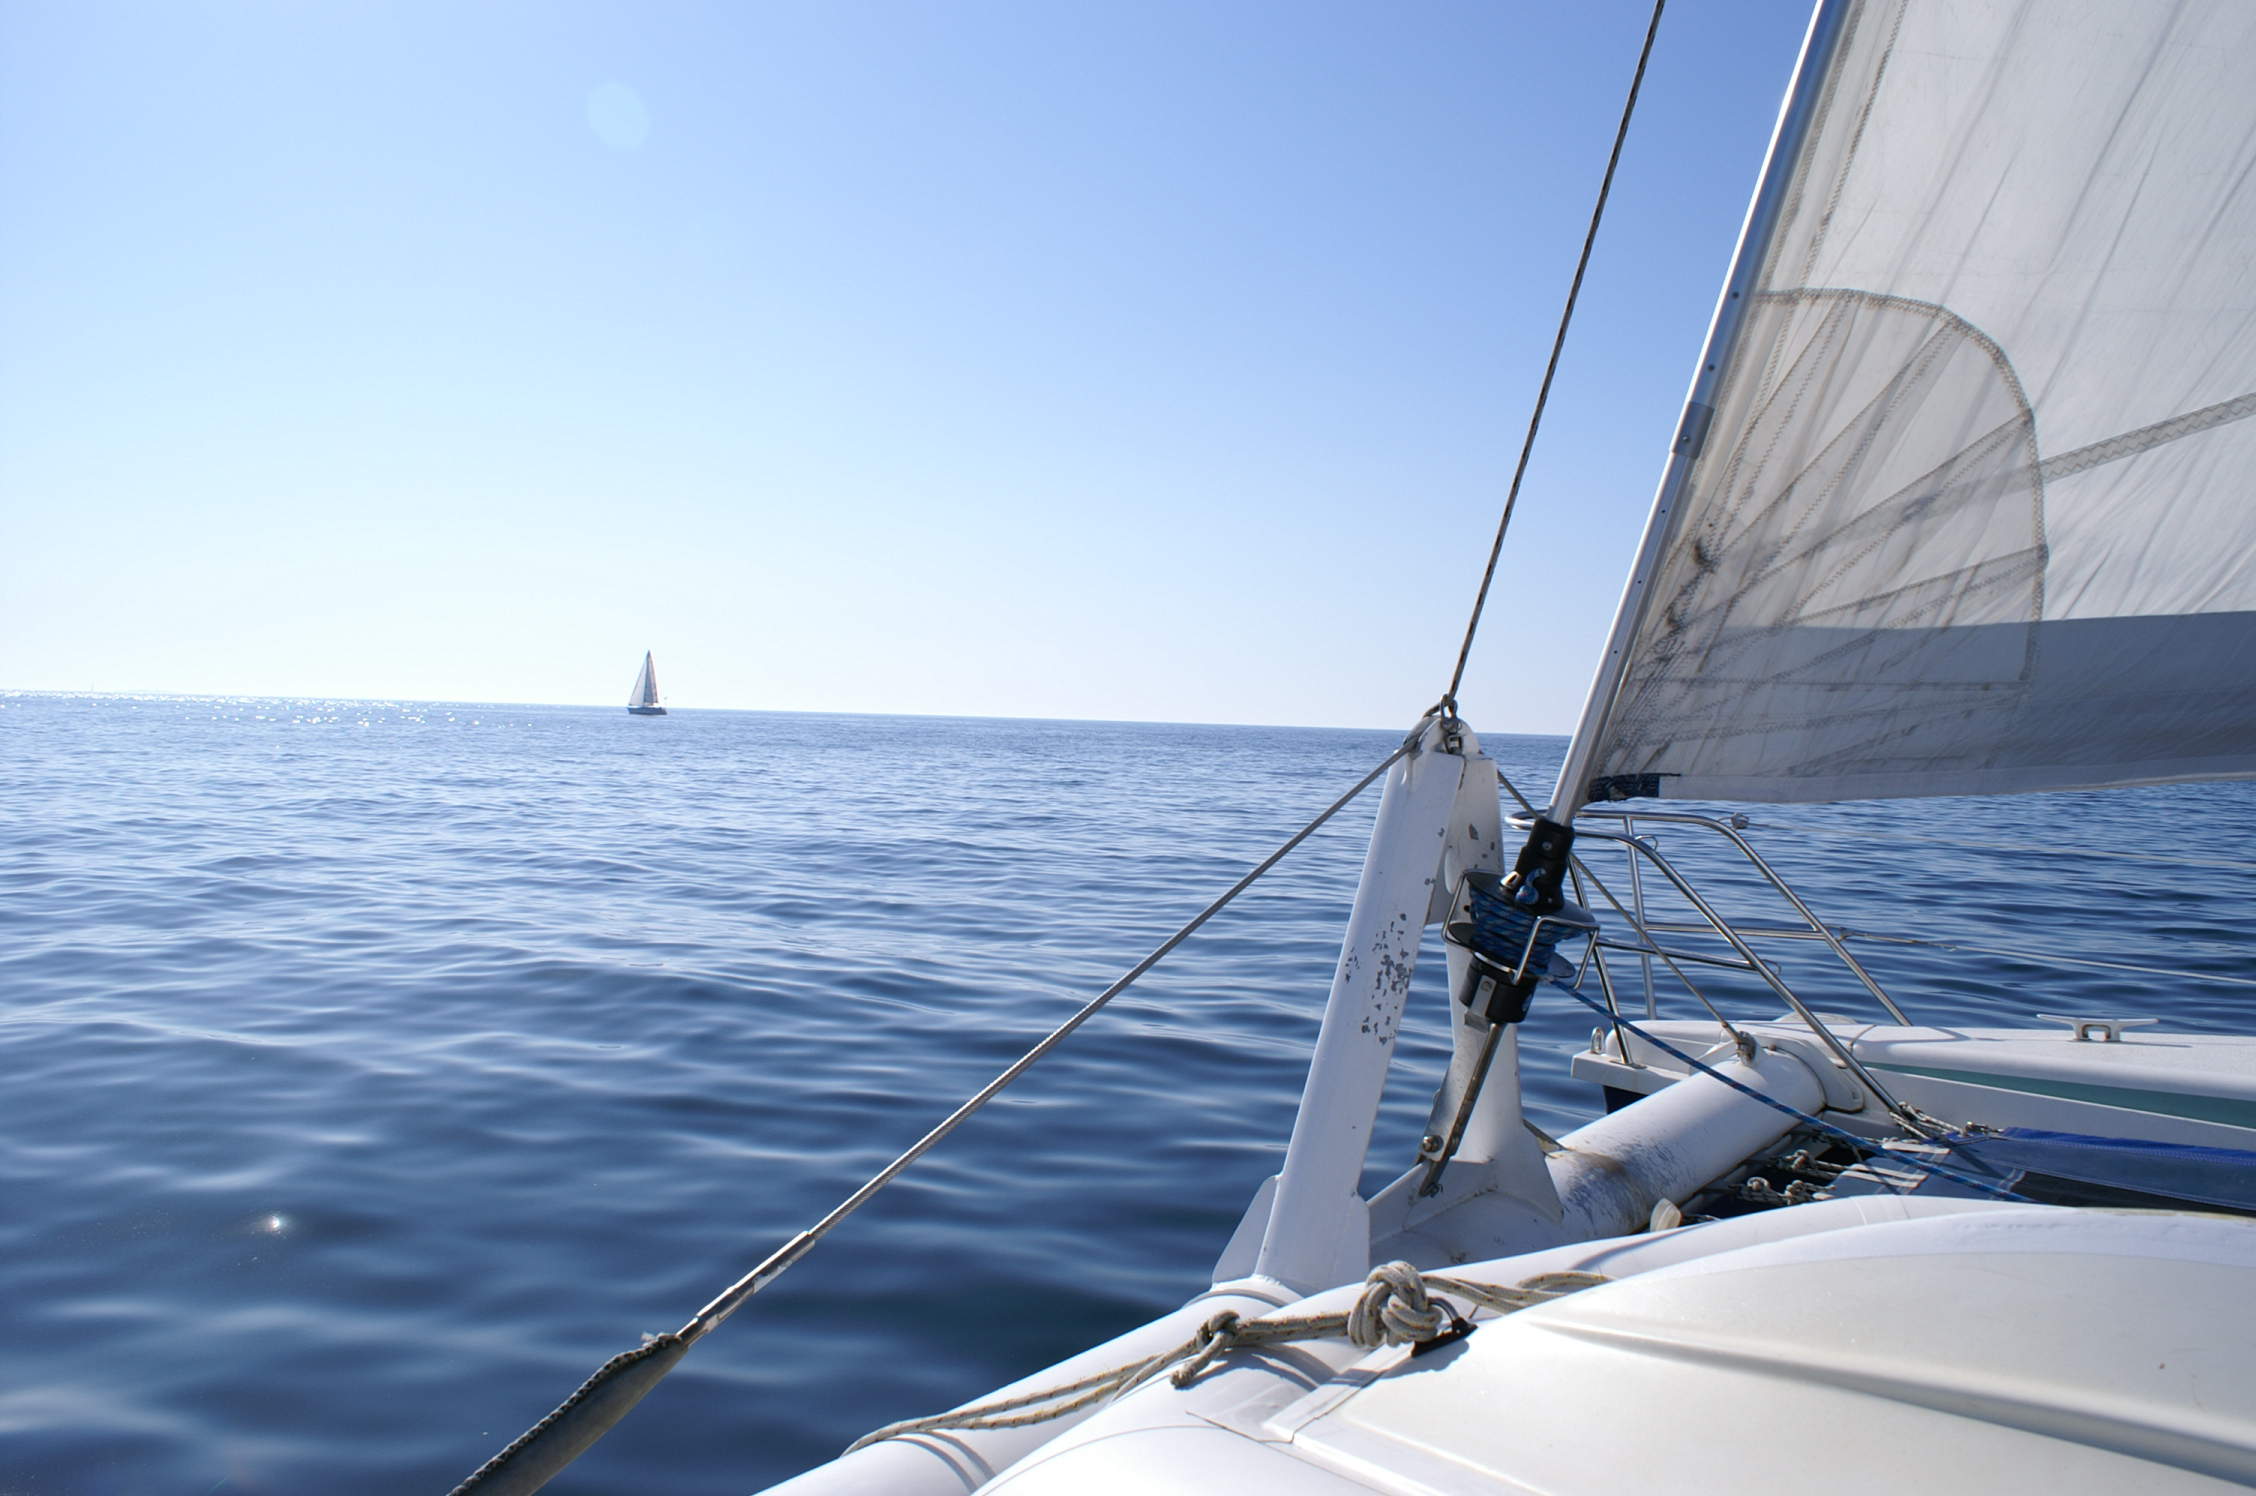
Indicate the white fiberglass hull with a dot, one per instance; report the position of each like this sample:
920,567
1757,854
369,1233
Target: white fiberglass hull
1979,1349
1938,1345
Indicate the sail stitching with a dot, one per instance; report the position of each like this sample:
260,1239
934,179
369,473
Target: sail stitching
1998,572
1856,141
1893,512
2147,438
1830,334
1868,427
1811,601
1887,517
1824,112
1999,464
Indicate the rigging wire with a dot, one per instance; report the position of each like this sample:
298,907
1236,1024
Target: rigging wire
543,1450
1543,394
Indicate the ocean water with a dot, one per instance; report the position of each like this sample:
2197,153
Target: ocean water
373,1071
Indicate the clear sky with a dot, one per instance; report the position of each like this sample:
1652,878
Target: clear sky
1142,360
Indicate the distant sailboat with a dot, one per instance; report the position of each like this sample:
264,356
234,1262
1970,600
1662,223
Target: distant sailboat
642,701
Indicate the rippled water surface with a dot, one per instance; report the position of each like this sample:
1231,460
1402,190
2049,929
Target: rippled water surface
374,1071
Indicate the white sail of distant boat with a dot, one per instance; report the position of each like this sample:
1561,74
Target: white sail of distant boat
1960,501
643,699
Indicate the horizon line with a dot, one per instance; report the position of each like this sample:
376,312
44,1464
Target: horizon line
397,701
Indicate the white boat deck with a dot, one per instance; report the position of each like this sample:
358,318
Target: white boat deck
1892,1345
2150,1084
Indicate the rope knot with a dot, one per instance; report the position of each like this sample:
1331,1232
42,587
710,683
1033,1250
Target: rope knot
1214,1337
1395,1309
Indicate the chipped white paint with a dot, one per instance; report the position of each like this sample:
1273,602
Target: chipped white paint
1308,1242
1615,1170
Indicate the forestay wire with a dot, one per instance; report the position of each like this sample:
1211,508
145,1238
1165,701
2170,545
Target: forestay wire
545,1449
537,1455
1543,394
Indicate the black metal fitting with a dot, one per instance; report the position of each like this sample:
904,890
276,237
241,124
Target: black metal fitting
1538,880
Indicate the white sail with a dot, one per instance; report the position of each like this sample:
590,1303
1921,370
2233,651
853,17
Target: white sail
1962,502
645,692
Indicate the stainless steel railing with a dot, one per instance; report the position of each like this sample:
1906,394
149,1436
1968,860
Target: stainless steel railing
1642,851
1675,941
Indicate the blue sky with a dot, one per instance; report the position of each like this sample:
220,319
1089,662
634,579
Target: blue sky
1139,360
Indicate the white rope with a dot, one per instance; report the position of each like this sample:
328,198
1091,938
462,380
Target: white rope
1397,1307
